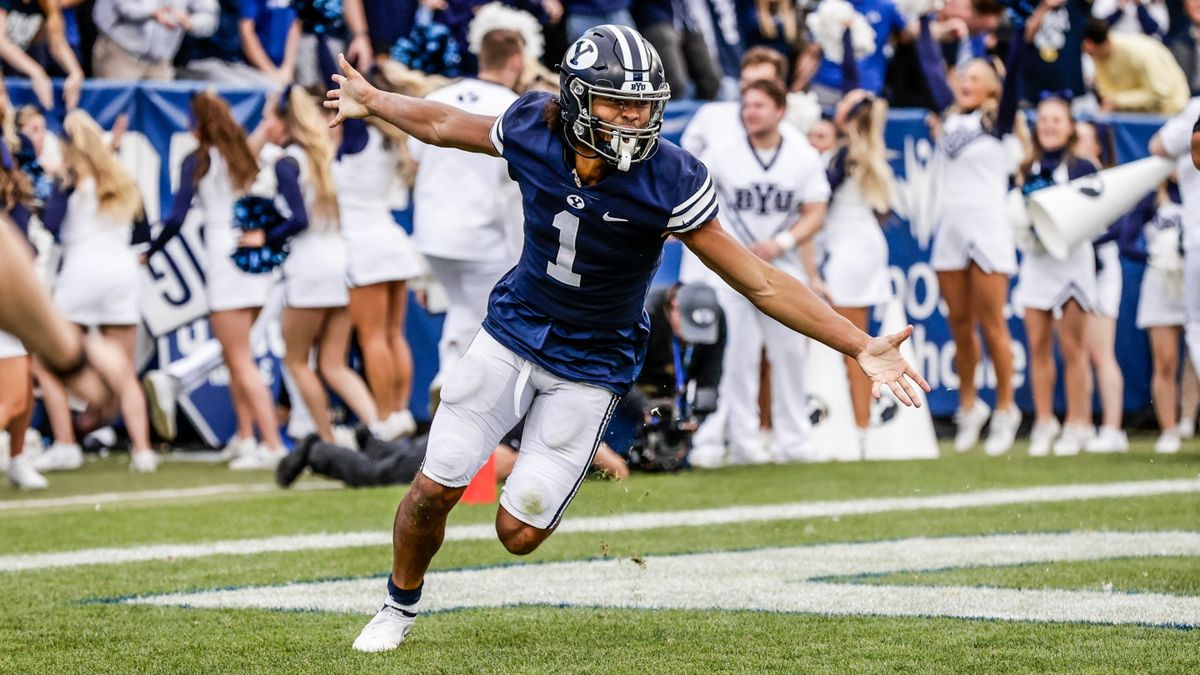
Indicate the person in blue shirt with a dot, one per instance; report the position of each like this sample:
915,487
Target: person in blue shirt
565,333
270,32
887,21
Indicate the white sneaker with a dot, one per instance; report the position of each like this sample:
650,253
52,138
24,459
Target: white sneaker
345,437
754,453
1003,432
1042,437
1073,439
1187,427
262,459
60,457
970,424
143,461
396,425
708,456
386,631
1108,440
1168,442
238,447
22,474
162,394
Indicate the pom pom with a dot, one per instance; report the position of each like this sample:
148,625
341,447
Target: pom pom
913,9
430,48
257,213
803,110
497,16
323,17
828,23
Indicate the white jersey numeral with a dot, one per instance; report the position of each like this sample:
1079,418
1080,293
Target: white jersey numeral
568,227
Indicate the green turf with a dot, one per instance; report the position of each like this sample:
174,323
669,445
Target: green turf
49,621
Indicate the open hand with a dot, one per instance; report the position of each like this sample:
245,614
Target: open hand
882,362
351,96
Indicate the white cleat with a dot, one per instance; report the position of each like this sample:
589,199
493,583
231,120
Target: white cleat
1169,442
262,459
1002,432
1073,439
143,461
1042,437
386,631
162,394
59,457
970,425
238,447
22,474
1108,439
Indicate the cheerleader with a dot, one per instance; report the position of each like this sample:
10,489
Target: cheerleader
215,175
974,252
1101,334
1056,294
93,216
380,260
854,277
314,314
16,376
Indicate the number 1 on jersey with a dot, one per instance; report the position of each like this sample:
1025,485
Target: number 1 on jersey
568,227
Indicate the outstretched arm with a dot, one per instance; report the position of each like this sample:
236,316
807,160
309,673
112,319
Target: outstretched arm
791,303
428,121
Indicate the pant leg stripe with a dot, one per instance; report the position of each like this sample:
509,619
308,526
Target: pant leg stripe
612,405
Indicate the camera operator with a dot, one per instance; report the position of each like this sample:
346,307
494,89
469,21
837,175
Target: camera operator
678,384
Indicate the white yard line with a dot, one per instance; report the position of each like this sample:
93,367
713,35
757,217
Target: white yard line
633,521
779,580
154,495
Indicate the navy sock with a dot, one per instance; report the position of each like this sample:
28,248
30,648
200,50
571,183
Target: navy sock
407,599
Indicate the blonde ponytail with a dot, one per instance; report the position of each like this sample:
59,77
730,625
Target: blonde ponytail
87,155
308,130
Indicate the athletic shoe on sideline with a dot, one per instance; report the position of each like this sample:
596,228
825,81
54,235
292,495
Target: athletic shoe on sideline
1187,427
1108,440
143,461
345,437
1073,439
238,447
708,456
162,393
1002,432
387,630
970,424
22,474
1168,442
1042,437
59,457
262,459
397,425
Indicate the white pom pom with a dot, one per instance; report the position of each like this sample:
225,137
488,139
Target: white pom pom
497,16
828,23
913,9
803,110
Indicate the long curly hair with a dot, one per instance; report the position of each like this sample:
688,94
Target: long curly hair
216,128
14,184
86,154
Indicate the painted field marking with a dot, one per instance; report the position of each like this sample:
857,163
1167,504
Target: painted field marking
778,580
158,495
627,522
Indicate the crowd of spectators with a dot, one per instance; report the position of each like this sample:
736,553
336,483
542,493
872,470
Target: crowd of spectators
1112,55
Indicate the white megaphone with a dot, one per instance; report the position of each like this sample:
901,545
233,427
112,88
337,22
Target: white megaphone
1065,216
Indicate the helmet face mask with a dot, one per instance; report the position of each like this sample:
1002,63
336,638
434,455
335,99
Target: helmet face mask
617,64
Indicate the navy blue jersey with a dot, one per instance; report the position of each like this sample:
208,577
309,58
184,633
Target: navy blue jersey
574,302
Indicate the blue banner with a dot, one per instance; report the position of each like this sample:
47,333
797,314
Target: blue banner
158,118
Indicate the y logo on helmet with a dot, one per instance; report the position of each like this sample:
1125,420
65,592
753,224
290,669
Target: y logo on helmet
582,54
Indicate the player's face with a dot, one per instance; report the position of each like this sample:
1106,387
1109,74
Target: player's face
756,72
1054,125
823,136
622,112
760,114
974,85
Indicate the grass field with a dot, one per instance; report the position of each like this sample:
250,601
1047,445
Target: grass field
67,614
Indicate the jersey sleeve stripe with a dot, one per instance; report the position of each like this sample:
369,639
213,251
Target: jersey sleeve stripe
497,134
703,192
697,217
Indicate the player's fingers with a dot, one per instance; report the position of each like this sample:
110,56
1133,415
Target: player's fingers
332,103
333,93
346,67
336,120
875,390
339,79
896,339
916,377
912,394
900,393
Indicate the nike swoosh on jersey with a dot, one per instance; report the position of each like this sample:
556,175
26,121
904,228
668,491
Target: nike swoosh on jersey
614,219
